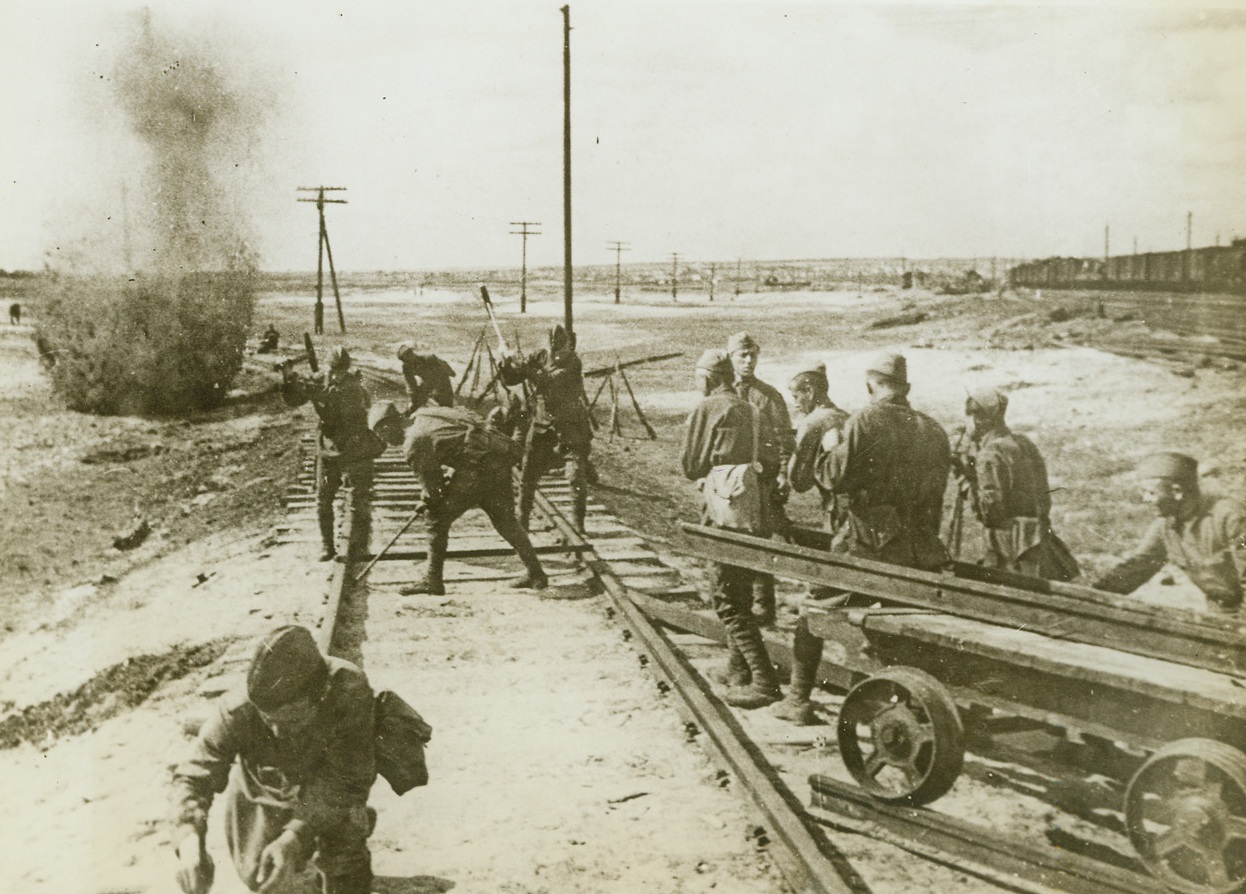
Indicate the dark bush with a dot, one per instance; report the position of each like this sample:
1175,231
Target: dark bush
151,344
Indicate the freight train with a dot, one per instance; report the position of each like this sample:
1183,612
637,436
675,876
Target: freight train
1212,269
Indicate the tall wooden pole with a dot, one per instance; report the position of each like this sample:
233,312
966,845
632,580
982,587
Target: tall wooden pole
618,248
566,167
322,248
674,276
318,313
523,271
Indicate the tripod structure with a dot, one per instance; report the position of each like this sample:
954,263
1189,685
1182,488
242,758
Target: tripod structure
323,250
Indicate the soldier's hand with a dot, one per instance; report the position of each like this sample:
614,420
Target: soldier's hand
782,488
277,861
195,869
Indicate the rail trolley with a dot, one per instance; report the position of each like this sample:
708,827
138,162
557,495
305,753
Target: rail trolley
941,646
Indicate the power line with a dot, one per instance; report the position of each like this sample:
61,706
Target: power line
618,248
323,249
523,276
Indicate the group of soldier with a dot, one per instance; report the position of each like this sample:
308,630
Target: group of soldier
881,474
293,750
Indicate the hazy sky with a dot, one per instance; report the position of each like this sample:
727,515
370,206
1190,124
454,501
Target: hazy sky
757,129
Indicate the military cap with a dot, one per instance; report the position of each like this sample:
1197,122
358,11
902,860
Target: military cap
381,411
339,357
1174,466
715,361
287,666
404,349
742,341
890,366
559,340
812,373
989,401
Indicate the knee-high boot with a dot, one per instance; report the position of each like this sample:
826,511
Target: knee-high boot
806,656
763,689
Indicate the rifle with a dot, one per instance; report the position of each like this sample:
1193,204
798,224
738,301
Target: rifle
484,296
967,481
309,354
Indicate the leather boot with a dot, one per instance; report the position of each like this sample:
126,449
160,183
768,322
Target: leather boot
764,688
328,551
530,580
736,673
764,609
430,584
806,655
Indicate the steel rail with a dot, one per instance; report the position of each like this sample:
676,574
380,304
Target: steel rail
1088,617
809,861
982,851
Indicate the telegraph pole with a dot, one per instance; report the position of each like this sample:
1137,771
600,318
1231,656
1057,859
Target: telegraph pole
523,274
674,276
566,165
1189,242
713,273
323,250
1107,241
618,248
738,263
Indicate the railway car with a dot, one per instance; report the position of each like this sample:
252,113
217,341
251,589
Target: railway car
1211,269
921,654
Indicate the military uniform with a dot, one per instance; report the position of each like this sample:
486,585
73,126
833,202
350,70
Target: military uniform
887,475
719,432
481,461
313,785
428,378
891,469
345,449
803,465
1210,546
1013,501
767,399
561,431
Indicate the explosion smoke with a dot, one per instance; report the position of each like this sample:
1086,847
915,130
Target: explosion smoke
169,338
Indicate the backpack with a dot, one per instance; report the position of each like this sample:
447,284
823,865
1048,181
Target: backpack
399,737
733,494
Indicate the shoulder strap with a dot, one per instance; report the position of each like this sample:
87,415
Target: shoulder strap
756,431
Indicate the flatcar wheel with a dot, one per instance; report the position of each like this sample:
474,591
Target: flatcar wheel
1185,809
901,737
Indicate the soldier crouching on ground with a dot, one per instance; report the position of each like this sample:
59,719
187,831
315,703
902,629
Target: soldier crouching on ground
744,351
479,461
429,378
725,430
561,430
888,472
1203,534
345,446
269,340
293,753
1012,498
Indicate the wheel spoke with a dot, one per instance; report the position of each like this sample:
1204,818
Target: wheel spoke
1235,828
1167,842
923,735
1217,874
875,763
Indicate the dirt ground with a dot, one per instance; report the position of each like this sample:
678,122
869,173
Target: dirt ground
75,609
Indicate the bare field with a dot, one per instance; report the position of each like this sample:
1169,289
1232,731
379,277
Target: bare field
74,607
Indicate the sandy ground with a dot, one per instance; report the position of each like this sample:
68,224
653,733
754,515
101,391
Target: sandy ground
545,726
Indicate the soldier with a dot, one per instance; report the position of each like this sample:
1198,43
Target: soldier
429,378
721,432
269,340
15,313
1203,534
561,430
479,461
301,733
345,445
888,472
744,352
818,432
1011,496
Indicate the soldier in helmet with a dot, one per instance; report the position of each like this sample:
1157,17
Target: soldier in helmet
1012,498
744,351
889,472
345,445
429,378
561,431
463,464
298,739
1204,534
724,430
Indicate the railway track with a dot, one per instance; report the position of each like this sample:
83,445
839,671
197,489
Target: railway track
677,634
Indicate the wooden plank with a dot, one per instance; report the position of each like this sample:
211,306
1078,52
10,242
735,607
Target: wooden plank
1130,627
